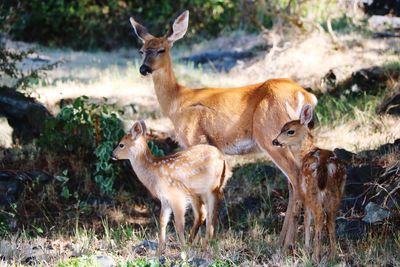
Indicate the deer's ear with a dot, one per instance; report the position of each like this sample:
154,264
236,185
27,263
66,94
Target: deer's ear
179,27
140,30
136,130
306,115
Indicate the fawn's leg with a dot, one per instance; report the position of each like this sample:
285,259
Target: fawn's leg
318,215
165,214
331,227
210,203
219,196
307,229
199,218
178,208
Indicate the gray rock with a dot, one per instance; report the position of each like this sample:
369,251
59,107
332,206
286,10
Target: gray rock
105,261
374,213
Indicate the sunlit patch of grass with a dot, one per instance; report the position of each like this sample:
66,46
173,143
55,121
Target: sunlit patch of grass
339,109
83,261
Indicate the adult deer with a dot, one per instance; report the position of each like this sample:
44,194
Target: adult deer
235,120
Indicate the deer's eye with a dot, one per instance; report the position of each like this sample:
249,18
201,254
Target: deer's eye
161,51
121,145
290,132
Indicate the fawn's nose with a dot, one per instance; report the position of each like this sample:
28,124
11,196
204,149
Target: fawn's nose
113,157
144,70
276,143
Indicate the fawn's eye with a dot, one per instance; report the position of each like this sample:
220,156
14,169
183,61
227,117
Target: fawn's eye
121,145
161,51
290,132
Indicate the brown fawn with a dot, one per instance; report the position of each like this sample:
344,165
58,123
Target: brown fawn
196,176
322,179
232,119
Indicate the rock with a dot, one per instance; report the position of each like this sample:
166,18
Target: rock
390,105
351,229
105,261
380,7
199,262
383,22
31,260
374,213
24,114
343,154
146,245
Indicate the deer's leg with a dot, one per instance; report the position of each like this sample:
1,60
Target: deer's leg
165,214
331,228
199,218
178,208
319,224
218,200
285,161
212,202
307,229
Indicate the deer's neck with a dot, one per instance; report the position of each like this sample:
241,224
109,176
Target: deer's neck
166,87
301,149
142,165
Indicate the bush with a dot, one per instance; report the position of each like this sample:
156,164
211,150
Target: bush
88,24
85,133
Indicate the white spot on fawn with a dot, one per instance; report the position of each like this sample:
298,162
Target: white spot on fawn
331,169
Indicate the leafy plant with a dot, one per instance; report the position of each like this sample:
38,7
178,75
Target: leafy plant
85,132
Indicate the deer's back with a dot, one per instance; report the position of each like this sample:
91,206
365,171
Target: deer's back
322,174
196,170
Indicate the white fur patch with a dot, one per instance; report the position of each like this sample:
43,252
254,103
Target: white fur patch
322,195
240,147
331,169
304,185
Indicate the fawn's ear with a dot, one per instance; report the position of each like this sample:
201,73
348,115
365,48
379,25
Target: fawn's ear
137,130
179,27
306,115
140,30
144,128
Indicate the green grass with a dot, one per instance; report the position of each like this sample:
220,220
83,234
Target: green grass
84,261
340,109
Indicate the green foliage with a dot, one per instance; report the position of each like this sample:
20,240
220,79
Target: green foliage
141,262
155,150
83,261
86,132
104,24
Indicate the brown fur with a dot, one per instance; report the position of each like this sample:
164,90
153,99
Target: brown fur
235,120
322,179
196,176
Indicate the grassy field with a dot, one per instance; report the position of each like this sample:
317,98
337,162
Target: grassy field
256,195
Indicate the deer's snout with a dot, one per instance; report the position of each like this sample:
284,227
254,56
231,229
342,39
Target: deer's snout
275,142
144,70
113,156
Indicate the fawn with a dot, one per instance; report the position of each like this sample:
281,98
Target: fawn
322,179
196,176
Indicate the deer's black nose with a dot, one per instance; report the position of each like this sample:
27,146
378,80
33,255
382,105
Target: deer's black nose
144,70
276,143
